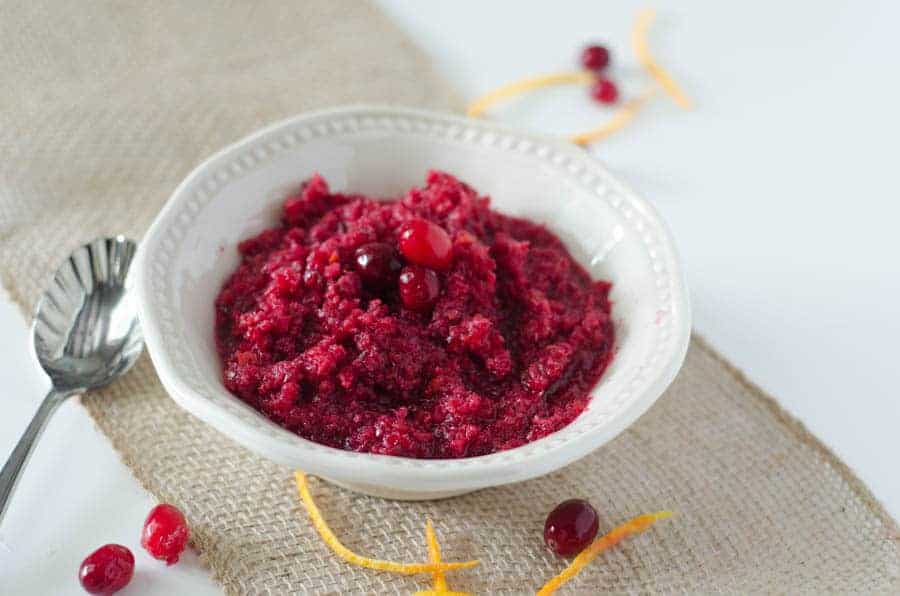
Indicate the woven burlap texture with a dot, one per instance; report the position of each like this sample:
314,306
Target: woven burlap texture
104,108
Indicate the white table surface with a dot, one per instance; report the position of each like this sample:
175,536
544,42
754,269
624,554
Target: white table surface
780,188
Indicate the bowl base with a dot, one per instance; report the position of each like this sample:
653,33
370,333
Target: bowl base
397,494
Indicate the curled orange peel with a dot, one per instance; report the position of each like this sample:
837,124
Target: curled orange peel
345,553
478,107
618,121
642,49
616,535
621,117
434,556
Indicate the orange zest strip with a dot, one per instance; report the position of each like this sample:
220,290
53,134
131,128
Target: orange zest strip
642,49
478,107
345,553
616,535
434,556
622,117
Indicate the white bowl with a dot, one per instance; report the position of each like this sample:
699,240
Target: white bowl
190,249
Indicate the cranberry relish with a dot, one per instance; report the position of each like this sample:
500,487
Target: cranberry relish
317,330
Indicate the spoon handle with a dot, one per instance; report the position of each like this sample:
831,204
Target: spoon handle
19,457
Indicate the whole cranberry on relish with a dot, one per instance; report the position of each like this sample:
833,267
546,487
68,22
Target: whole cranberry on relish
419,288
377,264
499,344
427,244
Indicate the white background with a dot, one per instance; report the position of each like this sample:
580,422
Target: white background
780,187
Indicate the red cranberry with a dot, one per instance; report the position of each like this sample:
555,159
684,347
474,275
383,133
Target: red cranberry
605,91
595,57
165,533
419,287
377,263
106,570
427,244
571,527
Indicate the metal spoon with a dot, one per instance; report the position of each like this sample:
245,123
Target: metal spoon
85,334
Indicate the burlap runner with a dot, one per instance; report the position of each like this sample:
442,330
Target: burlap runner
105,107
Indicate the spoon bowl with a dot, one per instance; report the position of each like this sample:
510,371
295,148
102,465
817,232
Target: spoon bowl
85,333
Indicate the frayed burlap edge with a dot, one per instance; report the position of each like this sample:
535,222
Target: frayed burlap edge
799,431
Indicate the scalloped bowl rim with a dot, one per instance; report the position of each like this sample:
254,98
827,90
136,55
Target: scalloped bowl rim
395,473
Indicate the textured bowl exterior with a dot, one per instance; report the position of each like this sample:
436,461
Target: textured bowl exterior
190,249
